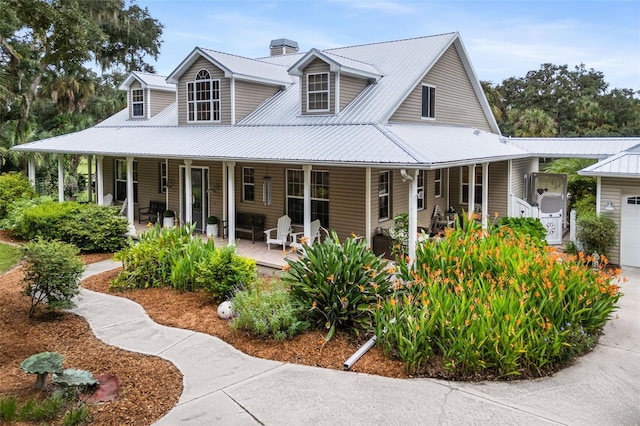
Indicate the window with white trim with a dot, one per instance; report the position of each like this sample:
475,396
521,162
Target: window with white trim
137,102
203,98
318,92
248,184
428,101
464,185
162,177
420,189
319,196
120,189
384,195
438,182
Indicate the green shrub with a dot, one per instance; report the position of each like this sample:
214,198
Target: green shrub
338,285
225,270
499,303
527,225
52,274
266,312
14,186
585,206
400,235
90,227
596,233
15,212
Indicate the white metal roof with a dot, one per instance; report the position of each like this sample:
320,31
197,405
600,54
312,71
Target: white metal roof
152,81
166,117
337,64
574,147
624,164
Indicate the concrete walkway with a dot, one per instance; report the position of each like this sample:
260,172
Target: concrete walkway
225,386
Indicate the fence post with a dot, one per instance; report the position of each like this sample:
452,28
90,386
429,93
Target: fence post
572,226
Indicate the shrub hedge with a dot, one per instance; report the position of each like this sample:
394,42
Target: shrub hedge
14,186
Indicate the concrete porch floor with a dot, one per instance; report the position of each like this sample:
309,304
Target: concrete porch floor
268,261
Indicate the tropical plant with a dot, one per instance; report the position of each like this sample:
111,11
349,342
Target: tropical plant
400,235
266,311
338,284
223,270
596,233
497,303
52,274
527,225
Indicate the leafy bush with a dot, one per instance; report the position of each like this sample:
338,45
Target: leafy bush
266,312
400,235
52,274
596,233
500,303
14,186
338,285
527,225
225,270
90,227
15,212
586,205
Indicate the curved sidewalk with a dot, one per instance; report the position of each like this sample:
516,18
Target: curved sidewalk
224,386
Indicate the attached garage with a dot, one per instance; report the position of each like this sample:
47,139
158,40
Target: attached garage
630,230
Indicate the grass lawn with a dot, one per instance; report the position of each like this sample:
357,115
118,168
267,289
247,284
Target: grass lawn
9,256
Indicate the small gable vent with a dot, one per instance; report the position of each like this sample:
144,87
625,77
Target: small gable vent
283,46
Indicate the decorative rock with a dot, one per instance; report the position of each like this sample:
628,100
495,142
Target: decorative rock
225,310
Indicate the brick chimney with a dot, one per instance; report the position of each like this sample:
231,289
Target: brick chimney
283,46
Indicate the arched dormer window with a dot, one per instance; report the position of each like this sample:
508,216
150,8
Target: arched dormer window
203,98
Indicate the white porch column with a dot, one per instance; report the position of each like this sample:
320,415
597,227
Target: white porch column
232,90
307,200
188,195
448,170
231,219
60,177
509,187
413,214
471,206
485,195
130,195
598,194
224,196
367,205
89,178
32,169
100,179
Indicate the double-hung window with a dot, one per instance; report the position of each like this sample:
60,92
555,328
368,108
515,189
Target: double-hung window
248,184
319,196
137,102
203,98
384,195
428,101
162,177
438,182
464,185
318,92
121,180
420,189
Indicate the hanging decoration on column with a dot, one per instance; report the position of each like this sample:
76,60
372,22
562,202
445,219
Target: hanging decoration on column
266,191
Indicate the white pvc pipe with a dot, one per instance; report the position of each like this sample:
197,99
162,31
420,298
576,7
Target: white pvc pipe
361,351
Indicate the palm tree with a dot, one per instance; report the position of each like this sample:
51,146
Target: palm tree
533,122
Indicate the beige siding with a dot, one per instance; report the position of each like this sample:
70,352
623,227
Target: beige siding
318,66
614,189
350,87
135,85
520,168
108,175
160,100
347,207
225,97
456,101
498,189
249,96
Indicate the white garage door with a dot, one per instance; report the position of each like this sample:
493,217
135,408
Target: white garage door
630,231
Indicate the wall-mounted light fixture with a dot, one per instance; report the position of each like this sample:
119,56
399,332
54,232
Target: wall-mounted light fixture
609,207
266,191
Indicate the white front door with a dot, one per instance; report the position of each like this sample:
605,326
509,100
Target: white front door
630,230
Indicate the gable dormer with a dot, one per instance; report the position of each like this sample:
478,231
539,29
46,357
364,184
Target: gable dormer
147,94
329,82
220,88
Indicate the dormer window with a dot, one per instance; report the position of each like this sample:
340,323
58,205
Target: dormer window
137,103
318,92
428,101
203,98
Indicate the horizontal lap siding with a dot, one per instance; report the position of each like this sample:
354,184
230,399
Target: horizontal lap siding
249,96
347,200
520,168
277,207
315,67
216,74
614,189
160,100
350,87
456,100
498,189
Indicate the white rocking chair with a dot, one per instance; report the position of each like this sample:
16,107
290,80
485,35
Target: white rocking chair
296,238
281,233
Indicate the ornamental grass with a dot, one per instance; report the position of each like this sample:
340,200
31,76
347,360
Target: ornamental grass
497,304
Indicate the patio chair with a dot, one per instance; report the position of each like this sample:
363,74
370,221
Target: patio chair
439,221
281,233
314,236
107,200
123,208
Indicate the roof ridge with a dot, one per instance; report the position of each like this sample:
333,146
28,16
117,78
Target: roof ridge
241,57
392,41
397,142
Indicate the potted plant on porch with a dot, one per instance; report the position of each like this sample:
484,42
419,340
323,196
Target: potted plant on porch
212,226
168,219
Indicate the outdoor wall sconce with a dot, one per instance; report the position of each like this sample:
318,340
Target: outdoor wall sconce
266,191
609,207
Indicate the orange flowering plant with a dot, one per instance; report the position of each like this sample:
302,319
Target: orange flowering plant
501,303
338,284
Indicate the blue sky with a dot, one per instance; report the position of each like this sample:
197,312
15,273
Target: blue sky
503,38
